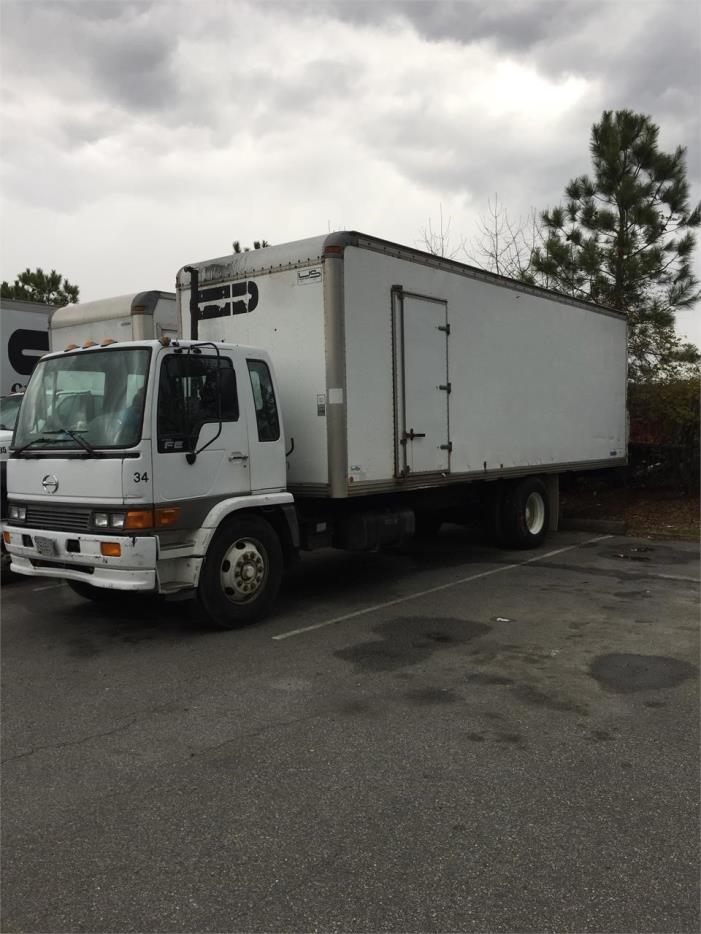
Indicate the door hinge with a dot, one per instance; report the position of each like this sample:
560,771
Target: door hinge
447,447
444,327
447,388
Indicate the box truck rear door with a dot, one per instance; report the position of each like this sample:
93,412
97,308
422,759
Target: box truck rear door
422,388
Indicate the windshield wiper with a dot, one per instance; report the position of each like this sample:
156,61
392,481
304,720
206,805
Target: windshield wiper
40,440
60,431
81,441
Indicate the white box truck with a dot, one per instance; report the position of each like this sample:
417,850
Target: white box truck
337,391
30,329
133,317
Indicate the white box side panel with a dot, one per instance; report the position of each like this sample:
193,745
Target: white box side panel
534,381
24,340
288,321
118,328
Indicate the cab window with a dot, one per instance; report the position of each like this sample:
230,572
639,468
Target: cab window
189,394
264,400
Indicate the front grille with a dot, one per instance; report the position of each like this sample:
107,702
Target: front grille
58,516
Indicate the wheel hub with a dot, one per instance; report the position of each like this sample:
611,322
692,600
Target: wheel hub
535,513
243,570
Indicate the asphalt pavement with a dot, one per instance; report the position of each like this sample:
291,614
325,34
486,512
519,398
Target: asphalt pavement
443,738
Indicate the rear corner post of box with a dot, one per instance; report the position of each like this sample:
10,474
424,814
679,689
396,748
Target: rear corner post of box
336,395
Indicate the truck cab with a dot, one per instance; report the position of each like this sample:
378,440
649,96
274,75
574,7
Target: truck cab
131,460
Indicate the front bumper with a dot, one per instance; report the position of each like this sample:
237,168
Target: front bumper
135,569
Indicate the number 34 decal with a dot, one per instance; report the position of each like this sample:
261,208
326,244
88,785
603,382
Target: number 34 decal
140,477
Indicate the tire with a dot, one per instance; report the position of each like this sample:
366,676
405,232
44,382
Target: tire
521,514
241,574
98,594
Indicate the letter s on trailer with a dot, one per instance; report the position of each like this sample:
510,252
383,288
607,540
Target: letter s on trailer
342,391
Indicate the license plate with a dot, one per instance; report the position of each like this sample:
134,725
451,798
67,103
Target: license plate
45,546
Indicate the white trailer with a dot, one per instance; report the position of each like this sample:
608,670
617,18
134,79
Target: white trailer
133,317
24,338
339,391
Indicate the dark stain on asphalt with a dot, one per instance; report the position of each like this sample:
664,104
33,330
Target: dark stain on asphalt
537,698
641,553
655,704
410,640
423,697
625,674
502,737
621,555
80,647
676,556
482,677
601,736
356,708
510,738
632,594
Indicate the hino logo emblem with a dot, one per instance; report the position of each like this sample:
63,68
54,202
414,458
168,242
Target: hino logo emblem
50,483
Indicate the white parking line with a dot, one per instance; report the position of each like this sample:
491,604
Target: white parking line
675,577
422,593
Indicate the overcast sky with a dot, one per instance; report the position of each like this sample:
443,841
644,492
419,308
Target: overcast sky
140,136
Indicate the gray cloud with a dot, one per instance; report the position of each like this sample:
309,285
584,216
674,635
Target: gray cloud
118,51
282,115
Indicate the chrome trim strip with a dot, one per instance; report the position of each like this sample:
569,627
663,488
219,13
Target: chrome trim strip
366,487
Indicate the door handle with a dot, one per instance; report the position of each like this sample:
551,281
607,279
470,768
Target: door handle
238,456
411,434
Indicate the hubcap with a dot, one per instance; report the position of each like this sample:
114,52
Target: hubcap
243,570
535,513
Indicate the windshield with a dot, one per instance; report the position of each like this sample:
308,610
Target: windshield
9,407
98,397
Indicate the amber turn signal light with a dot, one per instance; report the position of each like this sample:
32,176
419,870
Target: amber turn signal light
139,519
111,549
167,515
6,537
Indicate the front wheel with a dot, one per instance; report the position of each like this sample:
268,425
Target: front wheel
241,574
522,514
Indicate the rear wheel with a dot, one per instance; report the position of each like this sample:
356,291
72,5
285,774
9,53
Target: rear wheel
521,514
242,573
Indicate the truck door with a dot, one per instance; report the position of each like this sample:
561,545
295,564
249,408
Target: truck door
188,420
422,387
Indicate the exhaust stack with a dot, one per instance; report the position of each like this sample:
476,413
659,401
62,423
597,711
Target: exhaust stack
194,306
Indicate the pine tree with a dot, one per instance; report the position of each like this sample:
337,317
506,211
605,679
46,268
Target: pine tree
257,245
625,238
38,286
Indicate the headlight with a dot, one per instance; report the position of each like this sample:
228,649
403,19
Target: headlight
100,519
117,520
18,513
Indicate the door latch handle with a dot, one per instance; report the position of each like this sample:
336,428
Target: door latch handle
238,456
413,434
